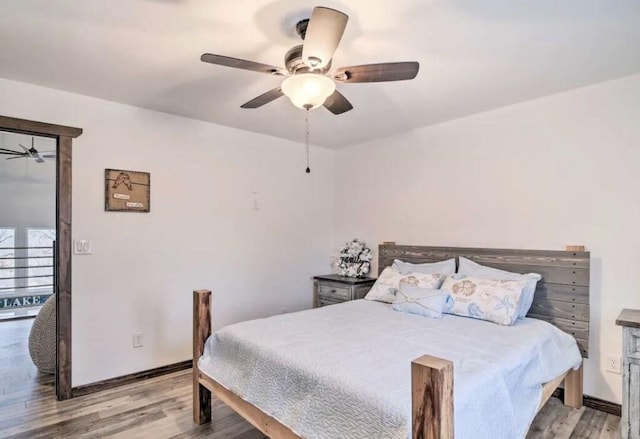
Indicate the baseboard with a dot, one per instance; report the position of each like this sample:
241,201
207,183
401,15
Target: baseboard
595,403
99,386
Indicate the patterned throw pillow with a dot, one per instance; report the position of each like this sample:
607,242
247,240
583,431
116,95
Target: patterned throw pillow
496,301
422,301
390,280
473,269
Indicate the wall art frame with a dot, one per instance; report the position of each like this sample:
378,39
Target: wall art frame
127,191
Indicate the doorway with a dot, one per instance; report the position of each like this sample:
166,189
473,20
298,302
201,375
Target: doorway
27,224
27,236
62,136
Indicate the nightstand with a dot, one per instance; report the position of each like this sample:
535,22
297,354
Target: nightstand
331,288
629,319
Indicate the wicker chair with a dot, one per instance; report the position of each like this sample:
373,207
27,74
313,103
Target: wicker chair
42,339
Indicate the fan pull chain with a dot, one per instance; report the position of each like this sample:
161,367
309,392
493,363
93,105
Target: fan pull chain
306,138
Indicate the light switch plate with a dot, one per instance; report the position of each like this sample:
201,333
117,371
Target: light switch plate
81,247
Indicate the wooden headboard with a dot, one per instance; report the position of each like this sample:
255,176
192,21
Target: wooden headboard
561,297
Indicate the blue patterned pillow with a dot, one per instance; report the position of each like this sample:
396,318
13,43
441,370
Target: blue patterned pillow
473,269
422,301
496,301
391,279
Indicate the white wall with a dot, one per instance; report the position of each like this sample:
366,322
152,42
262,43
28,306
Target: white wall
201,231
543,174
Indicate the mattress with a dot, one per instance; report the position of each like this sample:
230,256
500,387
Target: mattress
343,371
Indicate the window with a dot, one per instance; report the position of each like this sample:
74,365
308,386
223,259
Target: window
40,243
7,253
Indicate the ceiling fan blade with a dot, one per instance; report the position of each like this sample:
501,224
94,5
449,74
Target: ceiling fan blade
263,99
10,152
323,35
243,64
48,155
391,71
26,150
337,103
18,157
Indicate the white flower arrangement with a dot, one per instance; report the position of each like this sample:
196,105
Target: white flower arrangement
354,259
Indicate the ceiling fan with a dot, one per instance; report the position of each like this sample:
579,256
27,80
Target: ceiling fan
309,80
30,153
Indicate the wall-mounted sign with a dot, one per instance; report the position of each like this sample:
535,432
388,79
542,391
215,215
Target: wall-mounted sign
126,191
23,301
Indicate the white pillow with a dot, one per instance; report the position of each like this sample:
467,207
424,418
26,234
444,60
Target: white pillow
496,301
469,268
442,267
391,279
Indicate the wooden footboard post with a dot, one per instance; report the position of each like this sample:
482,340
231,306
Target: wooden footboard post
201,331
573,388
432,398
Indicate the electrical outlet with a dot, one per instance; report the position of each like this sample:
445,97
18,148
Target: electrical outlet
137,340
613,364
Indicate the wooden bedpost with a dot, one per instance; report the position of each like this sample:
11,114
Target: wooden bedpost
432,398
573,388
201,331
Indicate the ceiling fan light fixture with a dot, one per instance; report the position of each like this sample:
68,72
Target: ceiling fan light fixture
308,90
309,81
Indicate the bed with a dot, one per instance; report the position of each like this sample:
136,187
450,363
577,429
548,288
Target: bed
274,360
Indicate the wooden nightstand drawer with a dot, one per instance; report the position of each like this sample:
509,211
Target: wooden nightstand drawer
330,291
331,288
324,302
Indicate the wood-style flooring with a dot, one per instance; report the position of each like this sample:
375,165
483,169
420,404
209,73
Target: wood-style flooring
161,407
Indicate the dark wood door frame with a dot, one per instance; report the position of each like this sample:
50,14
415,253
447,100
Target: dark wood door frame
64,136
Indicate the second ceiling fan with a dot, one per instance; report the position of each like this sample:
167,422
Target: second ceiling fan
29,153
309,81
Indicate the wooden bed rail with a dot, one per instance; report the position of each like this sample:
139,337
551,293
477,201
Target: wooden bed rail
201,331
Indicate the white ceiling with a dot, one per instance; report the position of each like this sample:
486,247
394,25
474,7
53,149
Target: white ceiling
475,55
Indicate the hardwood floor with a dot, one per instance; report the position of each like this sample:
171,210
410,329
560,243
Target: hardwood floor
556,420
161,407
19,379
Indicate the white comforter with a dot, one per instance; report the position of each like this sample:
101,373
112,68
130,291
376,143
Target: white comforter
343,371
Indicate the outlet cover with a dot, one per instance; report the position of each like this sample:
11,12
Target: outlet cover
137,340
613,364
